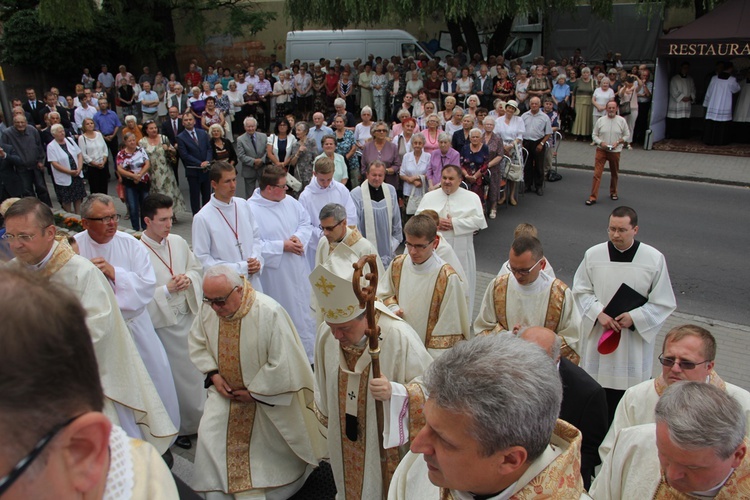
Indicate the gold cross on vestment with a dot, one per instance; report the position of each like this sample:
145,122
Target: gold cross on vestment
324,286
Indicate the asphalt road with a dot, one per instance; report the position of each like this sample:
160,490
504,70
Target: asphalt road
702,229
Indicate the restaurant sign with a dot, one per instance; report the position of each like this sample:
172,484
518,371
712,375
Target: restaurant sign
708,49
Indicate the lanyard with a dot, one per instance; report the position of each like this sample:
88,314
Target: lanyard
234,232
169,248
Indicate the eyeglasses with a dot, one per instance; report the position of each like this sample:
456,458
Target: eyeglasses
330,228
420,246
281,186
23,238
684,365
220,302
618,230
106,219
524,272
380,130
23,464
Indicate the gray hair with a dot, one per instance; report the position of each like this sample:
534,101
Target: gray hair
333,210
131,118
89,201
472,97
457,111
605,80
419,136
55,128
488,119
700,415
216,126
249,120
586,70
444,136
402,113
556,347
366,109
476,130
224,270
510,390
339,102
194,90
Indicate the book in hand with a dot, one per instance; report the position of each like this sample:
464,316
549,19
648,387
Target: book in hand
625,300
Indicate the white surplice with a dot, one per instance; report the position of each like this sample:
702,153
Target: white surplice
284,442
379,221
415,296
596,281
718,100
172,315
639,402
467,216
285,275
214,239
526,305
131,400
134,286
403,359
679,88
742,109
314,198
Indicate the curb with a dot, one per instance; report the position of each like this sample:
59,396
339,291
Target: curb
705,180
712,322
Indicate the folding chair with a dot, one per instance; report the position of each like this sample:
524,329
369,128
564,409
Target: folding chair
556,141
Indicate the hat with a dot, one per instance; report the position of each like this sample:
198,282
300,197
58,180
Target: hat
608,342
335,295
513,104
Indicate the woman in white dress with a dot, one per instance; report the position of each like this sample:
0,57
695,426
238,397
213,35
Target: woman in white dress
412,173
511,128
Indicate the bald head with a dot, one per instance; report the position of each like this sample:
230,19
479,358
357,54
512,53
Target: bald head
544,338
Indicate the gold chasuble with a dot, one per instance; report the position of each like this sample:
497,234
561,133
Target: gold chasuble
241,415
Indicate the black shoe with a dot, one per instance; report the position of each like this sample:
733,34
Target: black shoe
540,191
168,458
184,442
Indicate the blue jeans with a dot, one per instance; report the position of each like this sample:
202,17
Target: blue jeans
134,196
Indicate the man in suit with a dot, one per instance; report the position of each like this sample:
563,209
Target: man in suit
251,152
584,401
171,128
32,106
196,154
51,105
11,185
483,87
179,100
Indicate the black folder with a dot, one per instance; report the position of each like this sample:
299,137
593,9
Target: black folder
625,300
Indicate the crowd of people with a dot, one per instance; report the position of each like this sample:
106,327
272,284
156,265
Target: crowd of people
264,342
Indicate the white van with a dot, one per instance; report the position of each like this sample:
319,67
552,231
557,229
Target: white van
310,46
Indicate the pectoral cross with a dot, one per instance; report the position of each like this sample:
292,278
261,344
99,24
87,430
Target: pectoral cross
239,247
352,395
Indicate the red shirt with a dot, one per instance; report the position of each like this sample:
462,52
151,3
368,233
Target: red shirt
193,78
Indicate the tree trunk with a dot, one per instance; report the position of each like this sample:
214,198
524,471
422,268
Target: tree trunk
168,63
457,37
474,45
496,44
700,8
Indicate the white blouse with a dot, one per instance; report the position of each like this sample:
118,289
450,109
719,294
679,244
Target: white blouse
410,166
93,149
510,131
56,153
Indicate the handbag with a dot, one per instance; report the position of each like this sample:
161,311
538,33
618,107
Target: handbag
169,154
625,108
121,191
293,183
416,197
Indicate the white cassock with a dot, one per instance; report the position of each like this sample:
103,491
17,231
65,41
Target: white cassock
639,402
134,286
285,273
227,233
266,448
467,216
420,288
548,270
136,470
379,221
742,109
339,258
131,400
718,100
445,251
172,315
632,470
340,389
679,88
596,281
314,198
528,305
554,474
